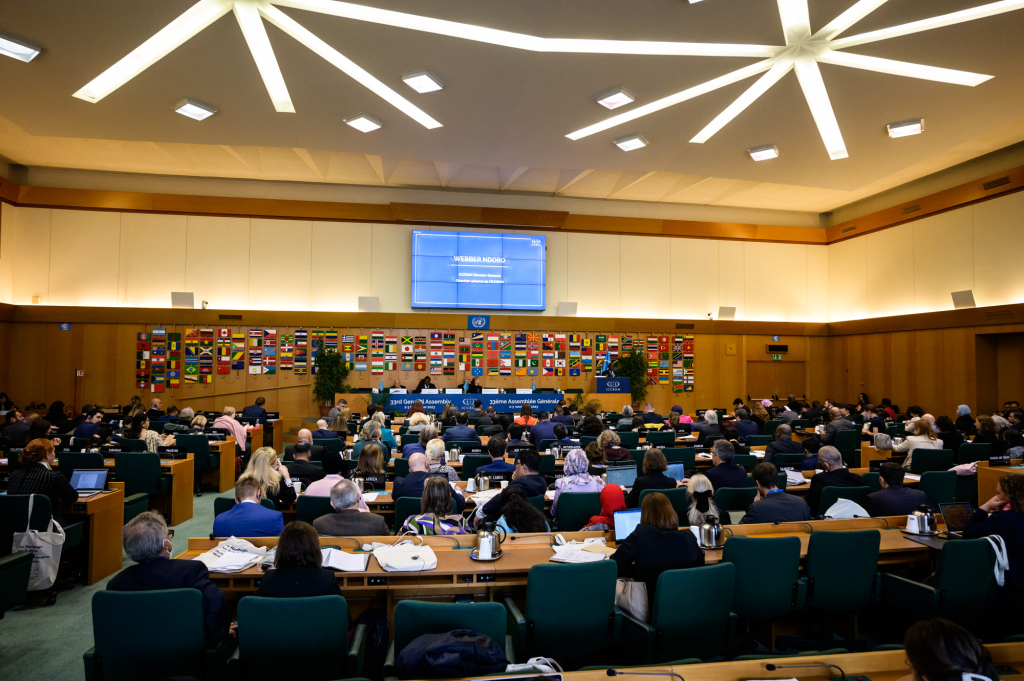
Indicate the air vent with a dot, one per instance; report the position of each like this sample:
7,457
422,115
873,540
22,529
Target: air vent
996,183
684,326
224,317
911,209
998,315
844,230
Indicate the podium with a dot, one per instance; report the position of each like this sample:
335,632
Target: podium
612,392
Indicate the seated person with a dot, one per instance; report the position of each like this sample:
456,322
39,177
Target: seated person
519,515
427,433
1007,521
561,417
874,421
591,426
298,566
836,473
89,427
732,435
653,477
811,446
436,459
478,406
612,500
488,418
782,444
516,440
702,502
772,505
386,436
724,473
527,477
744,425
332,476
316,453
461,432
412,484
36,476
496,448
348,520
155,412
248,518
608,442
924,437
371,434
656,545
227,421
299,468
372,411
577,477
651,416
272,476
939,650
894,498
639,425
525,417
435,515
148,543
562,438
417,421
171,416
321,432
711,419
370,467
256,411
544,429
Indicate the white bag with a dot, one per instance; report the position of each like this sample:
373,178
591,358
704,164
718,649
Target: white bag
45,548
631,597
844,509
536,665
405,558
1002,559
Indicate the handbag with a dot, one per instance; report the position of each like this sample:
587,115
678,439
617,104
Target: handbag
45,548
882,441
1002,559
631,597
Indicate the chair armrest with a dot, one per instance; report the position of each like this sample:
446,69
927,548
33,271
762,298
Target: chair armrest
135,498
516,624
73,534
617,626
356,651
638,638
913,597
510,649
89,659
389,663
14,558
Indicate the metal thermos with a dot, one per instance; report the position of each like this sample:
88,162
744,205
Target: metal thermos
483,482
926,521
360,483
711,534
488,541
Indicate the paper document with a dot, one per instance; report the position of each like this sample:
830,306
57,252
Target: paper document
232,555
550,495
481,498
405,558
758,454
795,478
599,548
570,554
911,476
696,533
345,562
370,496
233,562
704,456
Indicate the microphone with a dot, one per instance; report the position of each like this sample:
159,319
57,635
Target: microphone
773,667
615,672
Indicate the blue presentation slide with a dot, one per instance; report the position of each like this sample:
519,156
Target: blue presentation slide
478,270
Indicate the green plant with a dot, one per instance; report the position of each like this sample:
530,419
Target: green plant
576,401
331,373
634,367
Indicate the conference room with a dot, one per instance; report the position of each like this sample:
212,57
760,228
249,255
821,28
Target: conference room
345,340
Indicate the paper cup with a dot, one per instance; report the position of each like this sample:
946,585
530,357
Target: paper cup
504,484
462,458
471,485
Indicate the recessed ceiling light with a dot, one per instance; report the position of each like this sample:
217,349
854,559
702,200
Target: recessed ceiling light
764,153
616,98
423,81
363,122
17,48
631,142
194,109
906,128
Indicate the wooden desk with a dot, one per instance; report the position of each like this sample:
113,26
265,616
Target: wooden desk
104,515
988,478
802,490
226,472
255,437
277,429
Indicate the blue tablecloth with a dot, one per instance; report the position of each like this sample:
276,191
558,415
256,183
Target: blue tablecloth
464,402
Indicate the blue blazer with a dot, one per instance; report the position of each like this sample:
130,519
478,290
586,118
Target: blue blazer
461,434
253,411
497,467
248,520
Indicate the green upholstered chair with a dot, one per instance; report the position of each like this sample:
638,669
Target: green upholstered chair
940,486
770,426
748,461
308,509
628,440
556,622
758,440
575,509
69,462
140,472
401,466
537,502
684,455
710,439
547,464
135,653
873,481
334,444
959,591
416,618
410,506
797,424
702,628
806,653
223,504
967,489
767,576
409,439
679,498
734,498
931,460
79,442
830,495
793,459
587,439
660,437
14,573
305,653
199,447
129,445
848,444
471,463
545,443
970,452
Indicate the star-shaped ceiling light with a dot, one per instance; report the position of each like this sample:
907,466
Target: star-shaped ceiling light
802,53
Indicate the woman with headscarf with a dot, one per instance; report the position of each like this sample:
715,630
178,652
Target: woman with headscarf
577,478
612,500
964,421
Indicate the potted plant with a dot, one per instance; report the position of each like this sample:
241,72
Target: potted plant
634,367
330,376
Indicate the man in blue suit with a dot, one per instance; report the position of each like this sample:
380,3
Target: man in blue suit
543,429
496,448
256,411
248,518
894,499
461,432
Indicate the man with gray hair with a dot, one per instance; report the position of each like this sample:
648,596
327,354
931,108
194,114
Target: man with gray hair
725,473
710,427
835,475
347,520
651,416
147,541
627,416
427,433
837,423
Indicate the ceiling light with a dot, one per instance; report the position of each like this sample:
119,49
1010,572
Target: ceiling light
423,81
255,34
906,128
195,110
17,48
616,98
364,123
631,142
764,153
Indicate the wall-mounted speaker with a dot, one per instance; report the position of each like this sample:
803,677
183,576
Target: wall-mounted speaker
567,309
185,299
369,304
963,300
727,313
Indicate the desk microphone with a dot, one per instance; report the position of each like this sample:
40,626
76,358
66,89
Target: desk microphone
615,672
773,667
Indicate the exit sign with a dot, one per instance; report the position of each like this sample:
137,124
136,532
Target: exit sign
776,358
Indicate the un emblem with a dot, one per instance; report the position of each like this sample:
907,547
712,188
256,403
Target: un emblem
479,322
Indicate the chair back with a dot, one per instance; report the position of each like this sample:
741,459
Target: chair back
967,489
931,460
134,652
198,446
547,464
660,437
873,481
127,444
416,618
313,652
748,461
537,502
701,629
734,498
409,439
72,461
334,444
830,495
767,575
629,440
401,467
679,498
842,569
848,444
971,452
940,486
709,439
587,439
139,471
471,463
758,440
575,509
310,508
788,459
565,626
684,455
770,426
464,445
14,517
963,578
79,442
545,443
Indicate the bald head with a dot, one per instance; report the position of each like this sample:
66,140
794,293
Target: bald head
417,463
321,424
305,435
834,413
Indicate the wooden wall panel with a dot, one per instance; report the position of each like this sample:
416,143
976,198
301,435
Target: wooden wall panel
99,355
1010,368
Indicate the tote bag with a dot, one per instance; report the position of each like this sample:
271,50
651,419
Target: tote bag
45,548
631,597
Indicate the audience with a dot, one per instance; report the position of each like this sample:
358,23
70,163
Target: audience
371,434
337,409
724,473
544,429
435,515
427,433
924,437
894,498
773,505
322,432
298,566
412,484
608,442
436,459
370,467
873,420
985,429
651,416
948,435
577,478
939,650
418,420
782,444
133,402
36,476
612,500
759,413
561,417
527,477
256,410
89,427
387,437
299,468
836,423
227,421
517,439
744,425
591,426
348,520
339,424
496,448
964,421
248,518
653,477
526,416
702,501
461,432
332,476
562,438
731,435
627,417
273,478
155,412
836,474
519,515
711,419
447,418
1007,521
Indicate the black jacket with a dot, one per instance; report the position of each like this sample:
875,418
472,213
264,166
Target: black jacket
316,453
781,447
533,486
154,415
1009,526
653,417
412,486
648,552
727,475
305,472
351,522
656,480
777,507
38,479
299,583
16,433
951,440
708,430
895,500
162,573
841,477
965,424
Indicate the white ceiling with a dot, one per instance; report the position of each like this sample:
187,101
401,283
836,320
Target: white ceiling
506,112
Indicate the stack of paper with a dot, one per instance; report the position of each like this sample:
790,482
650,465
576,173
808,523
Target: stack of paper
573,554
481,498
342,561
370,496
550,495
911,476
795,478
233,555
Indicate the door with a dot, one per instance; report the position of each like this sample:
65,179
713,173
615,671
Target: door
766,379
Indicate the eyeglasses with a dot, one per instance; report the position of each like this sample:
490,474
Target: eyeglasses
170,533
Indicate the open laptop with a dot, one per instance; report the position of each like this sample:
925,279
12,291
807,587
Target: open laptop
625,523
88,481
676,471
955,517
624,476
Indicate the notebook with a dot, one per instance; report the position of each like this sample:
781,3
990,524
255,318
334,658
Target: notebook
625,523
623,476
88,482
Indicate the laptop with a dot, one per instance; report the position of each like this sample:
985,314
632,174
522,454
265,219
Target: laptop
623,476
625,523
88,481
676,471
955,517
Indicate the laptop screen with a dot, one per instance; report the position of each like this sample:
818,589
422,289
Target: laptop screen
623,476
676,471
625,523
88,479
955,516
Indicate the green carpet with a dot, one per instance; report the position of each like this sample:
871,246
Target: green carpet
40,642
